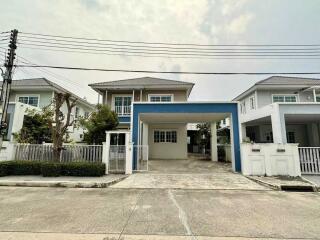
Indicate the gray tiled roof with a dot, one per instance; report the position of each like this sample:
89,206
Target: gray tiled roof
43,83
279,80
143,81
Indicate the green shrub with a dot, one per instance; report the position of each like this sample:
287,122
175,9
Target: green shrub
83,169
50,169
4,168
24,167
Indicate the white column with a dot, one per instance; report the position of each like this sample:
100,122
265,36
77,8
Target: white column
140,95
278,126
105,98
314,95
145,140
129,150
243,132
214,146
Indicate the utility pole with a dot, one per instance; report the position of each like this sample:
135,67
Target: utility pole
6,85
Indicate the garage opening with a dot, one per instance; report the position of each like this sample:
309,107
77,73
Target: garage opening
163,128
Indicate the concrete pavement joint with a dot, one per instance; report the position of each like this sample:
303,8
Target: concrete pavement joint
182,215
132,212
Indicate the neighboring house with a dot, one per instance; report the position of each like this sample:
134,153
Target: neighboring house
281,110
37,93
165,140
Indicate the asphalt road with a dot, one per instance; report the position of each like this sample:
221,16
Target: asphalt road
61,213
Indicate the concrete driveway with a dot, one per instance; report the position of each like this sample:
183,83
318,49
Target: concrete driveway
192,173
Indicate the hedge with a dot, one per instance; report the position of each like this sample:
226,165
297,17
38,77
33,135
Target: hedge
52,169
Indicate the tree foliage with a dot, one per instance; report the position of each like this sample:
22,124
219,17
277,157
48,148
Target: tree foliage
98,123
36,127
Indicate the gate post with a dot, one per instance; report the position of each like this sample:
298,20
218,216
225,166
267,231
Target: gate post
129,149
105,152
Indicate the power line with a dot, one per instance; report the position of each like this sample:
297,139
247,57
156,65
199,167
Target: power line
180,54
78,43
168,51
165,72
163,43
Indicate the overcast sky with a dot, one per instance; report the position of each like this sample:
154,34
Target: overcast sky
176,21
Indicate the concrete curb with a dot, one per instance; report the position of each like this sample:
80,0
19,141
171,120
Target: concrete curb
266,184
283,187
63,184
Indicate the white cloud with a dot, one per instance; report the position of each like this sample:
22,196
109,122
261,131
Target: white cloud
239,24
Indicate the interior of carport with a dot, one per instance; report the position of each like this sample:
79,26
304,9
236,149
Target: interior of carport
149,120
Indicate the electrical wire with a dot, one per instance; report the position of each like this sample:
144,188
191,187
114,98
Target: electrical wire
162,51
88,44
158,56
164,72
162,43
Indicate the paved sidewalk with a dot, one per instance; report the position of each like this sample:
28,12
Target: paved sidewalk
315,179
71,182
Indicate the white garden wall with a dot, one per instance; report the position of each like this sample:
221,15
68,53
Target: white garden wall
270,159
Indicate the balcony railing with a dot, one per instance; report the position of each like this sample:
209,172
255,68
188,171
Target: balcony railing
123,110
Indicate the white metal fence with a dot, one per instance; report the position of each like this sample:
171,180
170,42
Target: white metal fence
70,152
309,160
117,158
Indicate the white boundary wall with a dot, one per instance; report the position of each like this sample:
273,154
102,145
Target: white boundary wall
7,152
270,159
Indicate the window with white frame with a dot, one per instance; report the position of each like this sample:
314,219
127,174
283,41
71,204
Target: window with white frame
252,102
122,105
160,98
31,100
165,136
284,98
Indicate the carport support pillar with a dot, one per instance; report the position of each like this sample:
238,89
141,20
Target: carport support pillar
278,126
214,145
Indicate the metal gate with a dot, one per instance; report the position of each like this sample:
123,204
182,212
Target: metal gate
142,153
309,160
117,159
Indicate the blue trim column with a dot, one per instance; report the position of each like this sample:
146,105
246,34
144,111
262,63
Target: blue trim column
201,108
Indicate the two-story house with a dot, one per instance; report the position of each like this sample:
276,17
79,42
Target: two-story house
165,140
37,93
281,110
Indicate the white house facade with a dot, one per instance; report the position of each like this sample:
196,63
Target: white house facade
281,110
157,113
35,94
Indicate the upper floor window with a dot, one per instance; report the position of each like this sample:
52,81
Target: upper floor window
122,105
160,98
252,102
86,114
284,98
31,100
